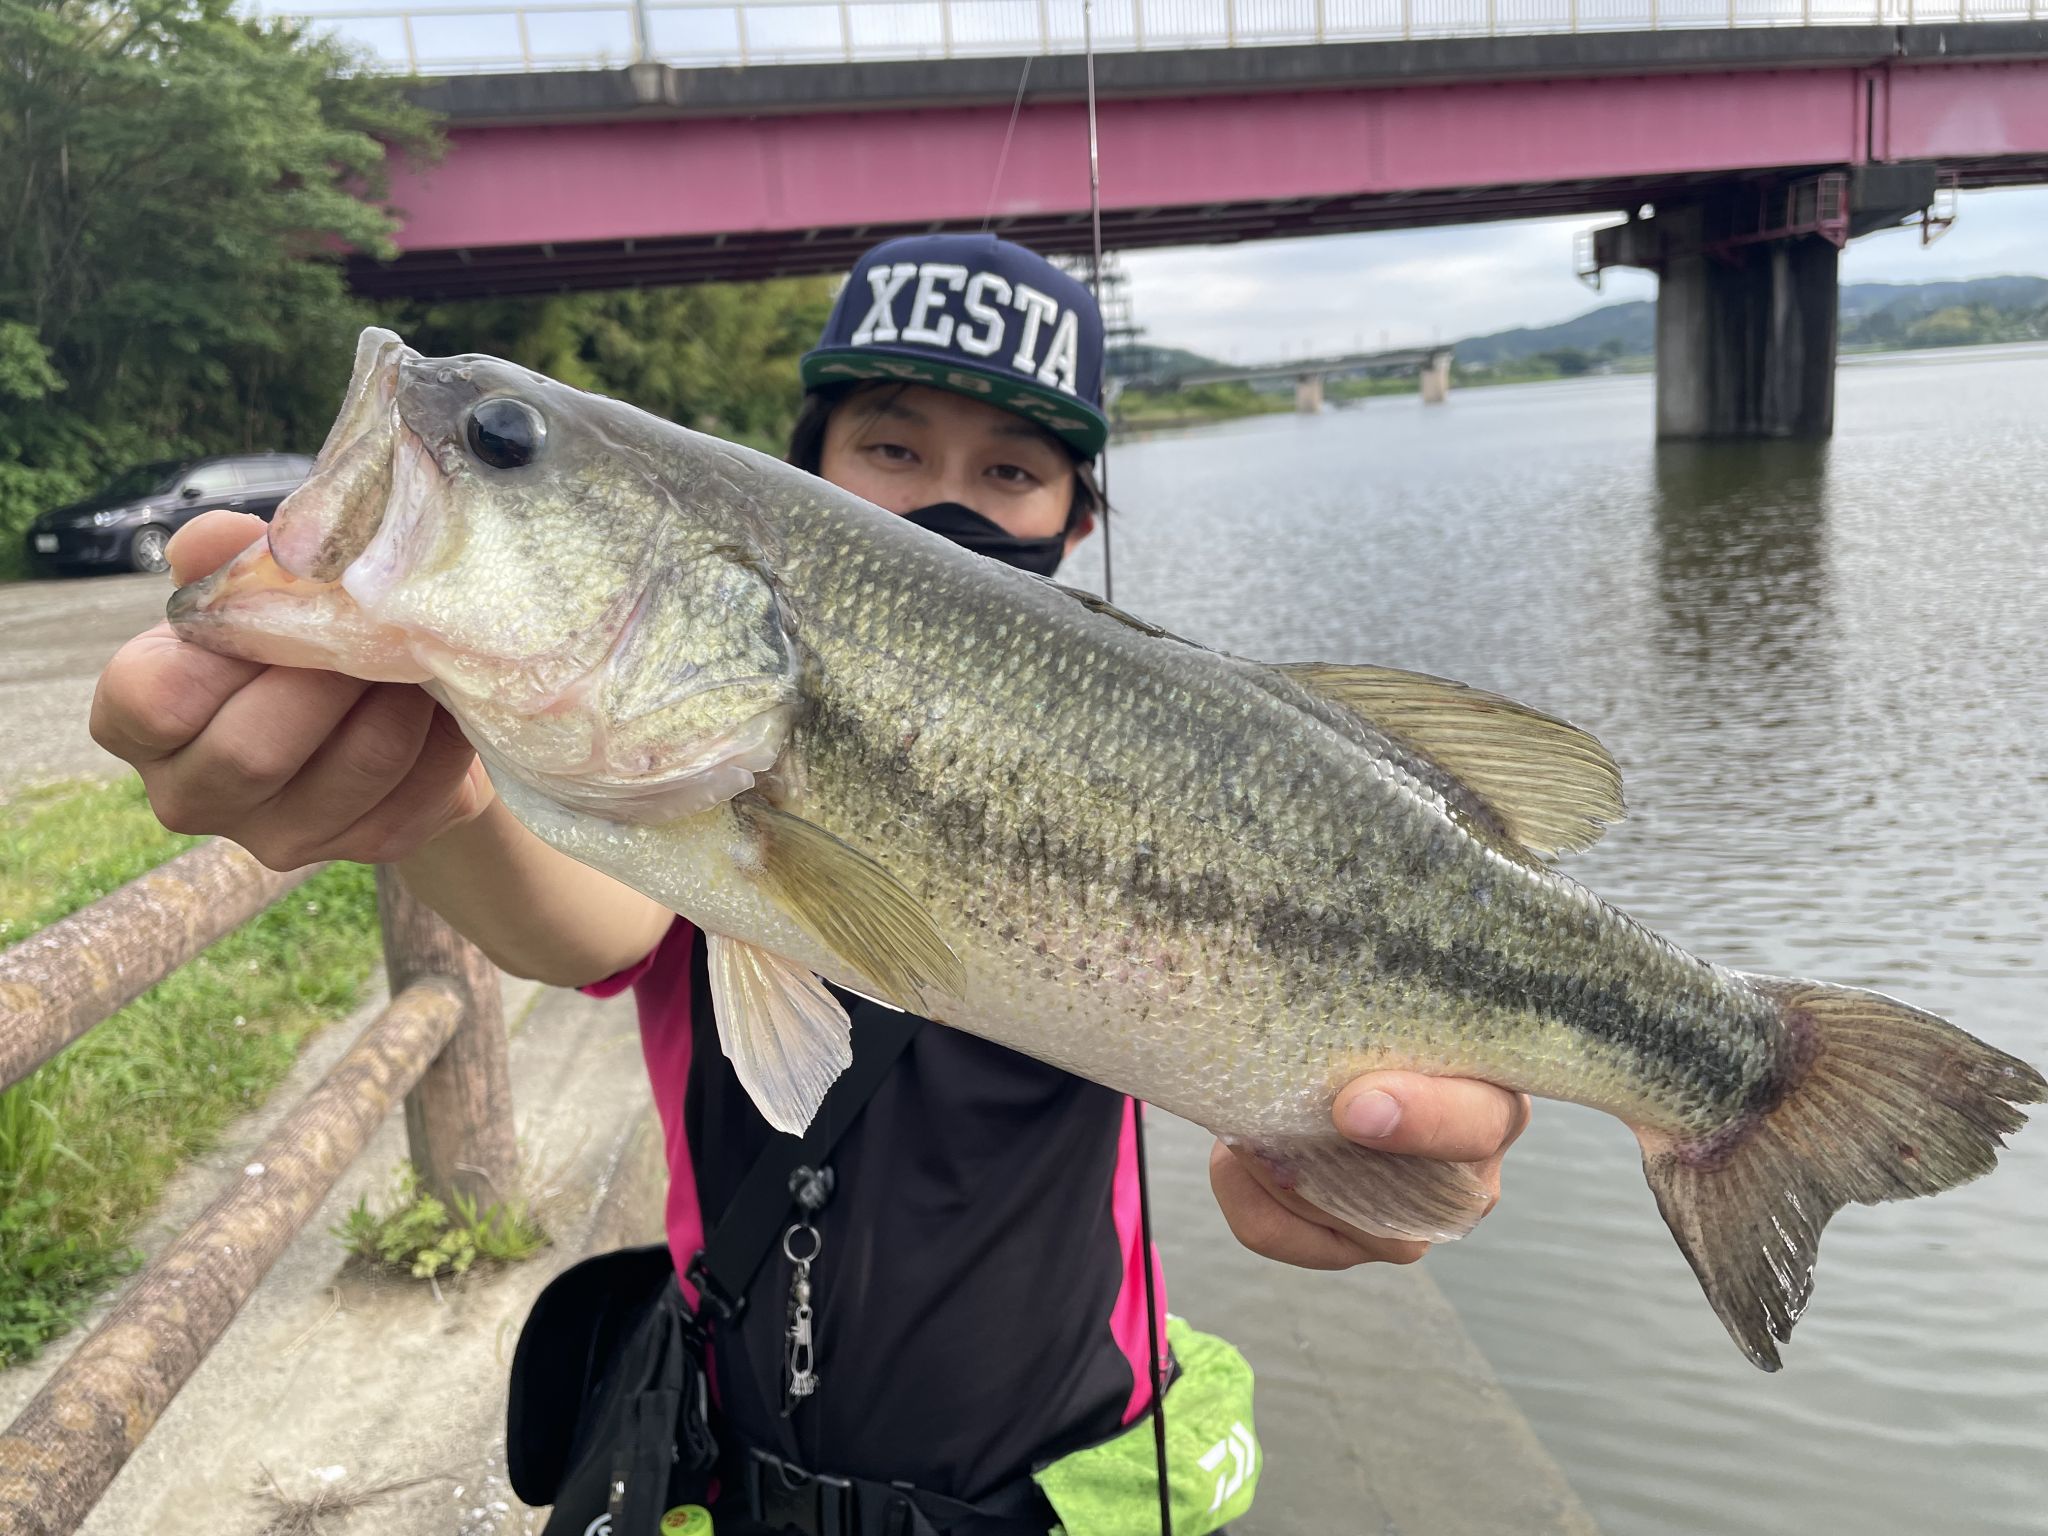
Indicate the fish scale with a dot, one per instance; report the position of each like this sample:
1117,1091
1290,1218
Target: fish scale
841,745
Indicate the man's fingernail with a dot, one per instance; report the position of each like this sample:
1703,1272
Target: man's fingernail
1372,1115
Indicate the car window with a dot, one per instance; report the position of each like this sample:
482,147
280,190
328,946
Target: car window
140,481
212,479
269,469
276,469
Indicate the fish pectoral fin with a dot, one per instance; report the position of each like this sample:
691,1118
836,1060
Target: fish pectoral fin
1552,786
786,1036
1413,1199
850,905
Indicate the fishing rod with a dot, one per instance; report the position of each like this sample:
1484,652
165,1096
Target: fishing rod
1095,274
1109,595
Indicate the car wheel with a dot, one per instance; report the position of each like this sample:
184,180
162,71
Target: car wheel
149,550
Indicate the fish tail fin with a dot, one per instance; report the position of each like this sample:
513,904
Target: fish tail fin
1879,1101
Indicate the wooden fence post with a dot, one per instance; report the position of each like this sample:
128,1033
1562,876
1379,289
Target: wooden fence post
458,1119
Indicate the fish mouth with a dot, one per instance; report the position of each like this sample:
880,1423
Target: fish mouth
327,522
282,601
255,609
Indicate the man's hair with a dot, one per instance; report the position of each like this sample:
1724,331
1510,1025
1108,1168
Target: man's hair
807,438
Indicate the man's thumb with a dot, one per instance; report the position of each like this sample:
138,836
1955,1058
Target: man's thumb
210,541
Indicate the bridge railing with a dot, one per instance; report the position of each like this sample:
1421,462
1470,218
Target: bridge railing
440,1047
490,36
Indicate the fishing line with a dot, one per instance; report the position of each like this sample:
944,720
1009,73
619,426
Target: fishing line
988,214
1109,595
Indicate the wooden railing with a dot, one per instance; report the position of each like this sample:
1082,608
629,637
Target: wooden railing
439,1046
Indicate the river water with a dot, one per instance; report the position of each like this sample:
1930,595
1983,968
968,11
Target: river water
1821,668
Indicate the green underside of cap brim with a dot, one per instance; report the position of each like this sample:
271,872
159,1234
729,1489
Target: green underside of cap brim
1073,421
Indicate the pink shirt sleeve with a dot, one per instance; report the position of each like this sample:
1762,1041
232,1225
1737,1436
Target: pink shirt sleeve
618,981
660,983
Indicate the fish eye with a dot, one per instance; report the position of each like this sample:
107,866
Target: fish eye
506,433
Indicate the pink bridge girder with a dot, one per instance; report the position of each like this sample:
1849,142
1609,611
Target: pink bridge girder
533,206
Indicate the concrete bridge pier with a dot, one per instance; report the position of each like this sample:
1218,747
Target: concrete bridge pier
1435,376
1308,394
1746,346
1747,295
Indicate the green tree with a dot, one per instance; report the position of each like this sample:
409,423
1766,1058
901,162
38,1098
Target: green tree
719,357
177,187
1569,362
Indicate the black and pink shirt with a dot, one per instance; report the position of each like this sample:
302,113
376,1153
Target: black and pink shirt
979,1303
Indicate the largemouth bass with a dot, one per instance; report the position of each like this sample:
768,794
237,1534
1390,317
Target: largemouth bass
847,749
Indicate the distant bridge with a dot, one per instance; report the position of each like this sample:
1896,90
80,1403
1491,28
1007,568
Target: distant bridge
1432,366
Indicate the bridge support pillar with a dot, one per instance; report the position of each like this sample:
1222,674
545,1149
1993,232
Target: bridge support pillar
1436,378
1746,337
1308,393
1748,292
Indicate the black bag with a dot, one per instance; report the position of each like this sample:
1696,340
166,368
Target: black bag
610,1410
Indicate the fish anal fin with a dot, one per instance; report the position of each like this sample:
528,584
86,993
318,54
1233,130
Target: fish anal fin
1878,1101
851,906
786,1036
1551,786
1414,1199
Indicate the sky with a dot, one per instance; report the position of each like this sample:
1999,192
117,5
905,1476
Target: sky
1276,299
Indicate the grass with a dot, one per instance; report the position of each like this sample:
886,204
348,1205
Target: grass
421,1236
1138,409
89,1140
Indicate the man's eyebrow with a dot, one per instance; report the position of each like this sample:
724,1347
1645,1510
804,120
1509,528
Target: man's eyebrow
1022,428
900,412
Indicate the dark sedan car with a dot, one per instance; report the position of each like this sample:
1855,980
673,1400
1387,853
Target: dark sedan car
127,525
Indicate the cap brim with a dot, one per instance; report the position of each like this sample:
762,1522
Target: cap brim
1074,422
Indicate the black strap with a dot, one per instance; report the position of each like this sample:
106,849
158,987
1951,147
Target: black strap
732,1254
784,1497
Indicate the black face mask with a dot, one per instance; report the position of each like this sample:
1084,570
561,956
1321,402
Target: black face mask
970,530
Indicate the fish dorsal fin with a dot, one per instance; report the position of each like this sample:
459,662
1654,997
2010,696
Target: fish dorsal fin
1552,787
787,1038
851,906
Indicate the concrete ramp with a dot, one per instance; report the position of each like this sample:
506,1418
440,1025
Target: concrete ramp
1376,1411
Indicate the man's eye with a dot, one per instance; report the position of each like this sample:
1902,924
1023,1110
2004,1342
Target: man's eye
894,453
1013,474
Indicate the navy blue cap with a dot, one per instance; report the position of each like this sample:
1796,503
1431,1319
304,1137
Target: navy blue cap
976,315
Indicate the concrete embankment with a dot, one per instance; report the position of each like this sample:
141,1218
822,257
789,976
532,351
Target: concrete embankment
1376,1411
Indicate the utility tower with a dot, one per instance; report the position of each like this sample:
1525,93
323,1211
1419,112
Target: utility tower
1120,330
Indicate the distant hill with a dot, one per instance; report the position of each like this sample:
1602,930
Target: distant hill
1140,357
1634,325
1909,300
1873,314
